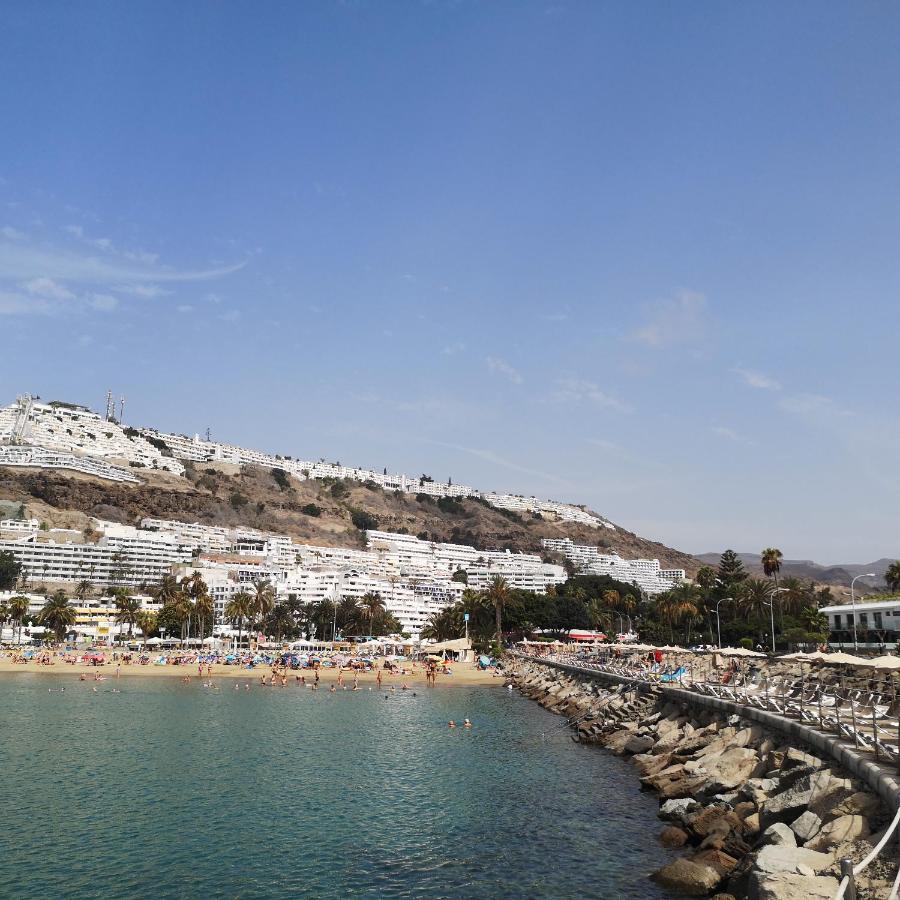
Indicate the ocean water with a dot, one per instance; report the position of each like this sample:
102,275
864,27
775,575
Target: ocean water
171,790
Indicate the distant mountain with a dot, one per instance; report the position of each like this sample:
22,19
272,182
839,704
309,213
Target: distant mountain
806,568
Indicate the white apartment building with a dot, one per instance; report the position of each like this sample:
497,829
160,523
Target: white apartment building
28,457
645,573
74,429
19,526
130,562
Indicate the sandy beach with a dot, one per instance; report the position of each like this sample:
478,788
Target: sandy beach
462,674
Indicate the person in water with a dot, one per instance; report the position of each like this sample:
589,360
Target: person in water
451,724
467,723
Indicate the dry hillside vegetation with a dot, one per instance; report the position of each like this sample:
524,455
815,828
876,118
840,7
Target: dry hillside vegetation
318,512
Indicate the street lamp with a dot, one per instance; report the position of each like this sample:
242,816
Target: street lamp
772,611
853,604
719,621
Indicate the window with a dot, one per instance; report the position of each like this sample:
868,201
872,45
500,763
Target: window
863,620
837,622
878,625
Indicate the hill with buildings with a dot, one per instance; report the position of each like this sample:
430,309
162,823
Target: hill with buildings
334,512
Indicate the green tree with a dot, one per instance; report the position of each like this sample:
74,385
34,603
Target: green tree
147,622
891,576
263,598
58,615
10,570
771,562
18,608
240,609
731,573
372,609
498,595
706,577
127,609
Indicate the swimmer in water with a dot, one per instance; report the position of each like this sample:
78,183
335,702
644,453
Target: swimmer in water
332,689
451,724
467,723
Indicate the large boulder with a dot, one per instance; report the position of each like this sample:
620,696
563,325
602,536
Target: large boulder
843,828
790,886
716,859
861,803
787,805
779,834
806,826
672,836
731,769
694,879
638,743
775,858
678,810
794,757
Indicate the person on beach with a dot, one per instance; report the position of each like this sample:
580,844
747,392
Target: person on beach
378,678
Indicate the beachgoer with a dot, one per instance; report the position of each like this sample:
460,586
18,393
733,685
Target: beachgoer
451,724
467,723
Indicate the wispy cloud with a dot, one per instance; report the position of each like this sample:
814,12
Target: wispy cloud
503,368
42,280
580,391
145,291
728,434
19,263
11,234
454,348
47,287
674,320
757,379
497,460
816,409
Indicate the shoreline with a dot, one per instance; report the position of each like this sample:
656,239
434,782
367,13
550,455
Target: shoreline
461,677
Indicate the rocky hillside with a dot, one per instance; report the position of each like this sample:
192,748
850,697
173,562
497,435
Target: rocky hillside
321,512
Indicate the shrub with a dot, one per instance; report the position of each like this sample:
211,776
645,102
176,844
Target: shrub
282,479
238,500
362,520
311,510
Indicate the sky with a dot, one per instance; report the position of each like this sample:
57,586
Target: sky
641,256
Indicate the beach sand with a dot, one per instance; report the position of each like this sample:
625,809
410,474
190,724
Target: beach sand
463,674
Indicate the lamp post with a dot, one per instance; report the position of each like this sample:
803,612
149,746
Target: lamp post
719,621
853,605
772,611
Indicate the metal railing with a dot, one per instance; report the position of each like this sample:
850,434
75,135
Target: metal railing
847,887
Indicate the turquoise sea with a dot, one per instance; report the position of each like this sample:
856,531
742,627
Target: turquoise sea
173,790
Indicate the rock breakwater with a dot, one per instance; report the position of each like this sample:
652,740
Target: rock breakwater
754,817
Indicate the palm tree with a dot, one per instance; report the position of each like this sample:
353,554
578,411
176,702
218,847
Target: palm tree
127,609
58,615
146,621
677,604
239,608
372,607
706,577
83,590
18,607
498,595
181,604
892,577
165,592
263,598
771,562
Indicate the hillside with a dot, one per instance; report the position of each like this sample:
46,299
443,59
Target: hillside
313,511
807,569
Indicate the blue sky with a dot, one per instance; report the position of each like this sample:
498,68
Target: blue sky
640,256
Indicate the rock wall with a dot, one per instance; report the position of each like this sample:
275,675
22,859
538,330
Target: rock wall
757,818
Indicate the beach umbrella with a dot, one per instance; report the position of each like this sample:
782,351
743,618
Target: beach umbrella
739,651
843,659
886,663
